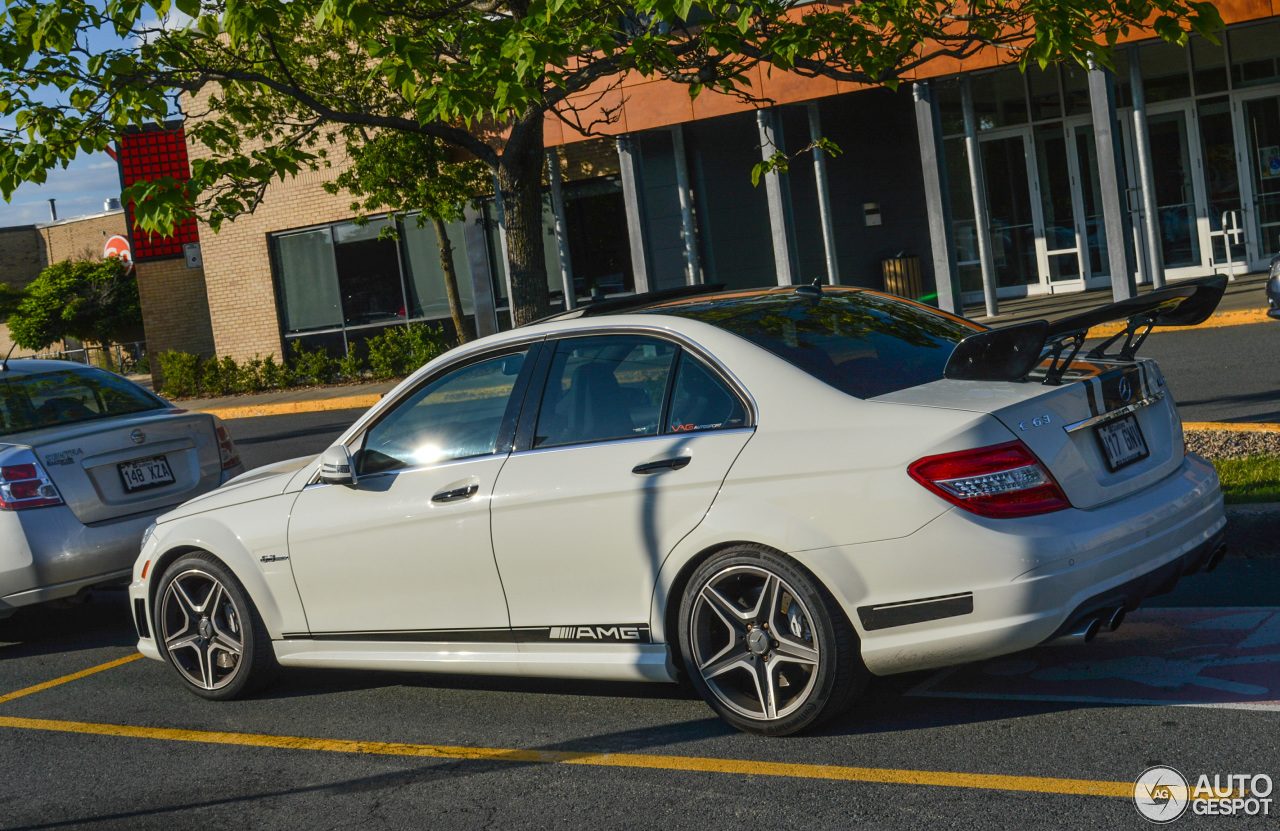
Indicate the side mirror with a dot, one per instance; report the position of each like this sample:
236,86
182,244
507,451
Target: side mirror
336,467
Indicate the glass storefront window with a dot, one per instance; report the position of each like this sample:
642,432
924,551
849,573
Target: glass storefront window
308,279
950,107
425,285
368,274
1013,248
1262,120
1253,55
1222,181
601,255
963,227
999,98
1209,66
1046,97
1055,189
550,254
1164,71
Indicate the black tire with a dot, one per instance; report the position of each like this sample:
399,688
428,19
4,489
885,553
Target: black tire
812,640
204,636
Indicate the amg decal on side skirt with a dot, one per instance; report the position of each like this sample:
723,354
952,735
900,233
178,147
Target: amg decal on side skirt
609,633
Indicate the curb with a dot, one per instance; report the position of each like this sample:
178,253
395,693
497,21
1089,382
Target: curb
1231,427
1236,317
346,402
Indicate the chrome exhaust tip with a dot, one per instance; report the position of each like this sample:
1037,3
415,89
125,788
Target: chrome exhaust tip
1215,558
1084,632
1117,618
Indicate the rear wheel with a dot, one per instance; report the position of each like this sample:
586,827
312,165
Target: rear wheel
766,645
210,631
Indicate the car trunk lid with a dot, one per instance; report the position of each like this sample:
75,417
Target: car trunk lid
89,462
1065,425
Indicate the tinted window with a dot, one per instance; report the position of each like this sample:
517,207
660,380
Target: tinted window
602,388
48,399
455,416
859,342
701,401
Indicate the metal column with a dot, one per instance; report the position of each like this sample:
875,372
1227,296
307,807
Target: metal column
779,195
824,194
929,129
628,160
978,188
1146,178
477,247
562,233
688,229
1102,101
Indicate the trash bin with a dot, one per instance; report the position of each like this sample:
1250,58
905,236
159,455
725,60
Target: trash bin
902,277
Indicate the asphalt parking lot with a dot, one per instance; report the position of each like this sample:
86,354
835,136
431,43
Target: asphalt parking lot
1051,738
91,735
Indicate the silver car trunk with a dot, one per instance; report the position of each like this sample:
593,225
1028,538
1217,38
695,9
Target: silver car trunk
1061,423
85,461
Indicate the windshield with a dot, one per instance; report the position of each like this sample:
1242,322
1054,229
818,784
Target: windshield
862,343
68,396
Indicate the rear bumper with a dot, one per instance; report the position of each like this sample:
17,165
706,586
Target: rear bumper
966,588
47,554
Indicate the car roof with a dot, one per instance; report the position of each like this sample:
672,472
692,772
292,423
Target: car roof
36,366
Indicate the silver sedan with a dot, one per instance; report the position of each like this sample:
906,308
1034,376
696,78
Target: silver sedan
87,461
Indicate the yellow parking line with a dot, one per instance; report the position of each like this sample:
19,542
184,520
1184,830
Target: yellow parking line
72,677
1235,317
1231,427
1037,784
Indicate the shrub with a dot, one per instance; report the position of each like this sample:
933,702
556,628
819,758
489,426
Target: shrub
350,366
312,367
180,372
273,374
399,350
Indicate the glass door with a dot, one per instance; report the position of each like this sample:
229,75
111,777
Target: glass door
1261,187
1174,153
1007,173
1083,161
1059,208
1222,183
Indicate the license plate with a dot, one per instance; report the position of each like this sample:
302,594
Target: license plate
145,473
1122,442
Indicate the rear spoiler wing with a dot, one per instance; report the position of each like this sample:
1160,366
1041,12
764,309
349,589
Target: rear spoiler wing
1011,352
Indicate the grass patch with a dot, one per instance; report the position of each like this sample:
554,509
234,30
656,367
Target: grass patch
1255,479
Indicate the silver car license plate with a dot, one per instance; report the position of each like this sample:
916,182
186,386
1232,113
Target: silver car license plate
1122,442
141,474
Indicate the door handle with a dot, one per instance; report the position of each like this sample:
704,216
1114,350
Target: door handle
456,494
663,464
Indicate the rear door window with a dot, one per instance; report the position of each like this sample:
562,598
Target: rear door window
604,388
701,401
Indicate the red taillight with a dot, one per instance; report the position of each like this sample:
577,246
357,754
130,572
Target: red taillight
26,485
1004,480
226,447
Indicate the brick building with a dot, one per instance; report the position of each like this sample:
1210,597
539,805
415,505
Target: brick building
999,183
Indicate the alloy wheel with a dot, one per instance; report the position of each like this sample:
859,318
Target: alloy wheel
753,642
202,629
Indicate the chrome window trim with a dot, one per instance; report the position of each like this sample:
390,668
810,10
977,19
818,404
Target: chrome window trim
1118,413
605,442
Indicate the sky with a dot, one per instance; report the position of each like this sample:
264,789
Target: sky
81,188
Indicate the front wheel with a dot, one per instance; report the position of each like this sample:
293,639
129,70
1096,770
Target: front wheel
766,645
210,631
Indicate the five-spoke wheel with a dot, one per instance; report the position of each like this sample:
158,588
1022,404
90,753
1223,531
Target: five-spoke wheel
765,644
209,629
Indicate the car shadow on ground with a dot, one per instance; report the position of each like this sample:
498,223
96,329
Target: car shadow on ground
94,620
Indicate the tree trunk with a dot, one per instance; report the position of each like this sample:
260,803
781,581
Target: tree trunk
465,328
519,175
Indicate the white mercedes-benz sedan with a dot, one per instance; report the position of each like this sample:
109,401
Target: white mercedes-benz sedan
773,493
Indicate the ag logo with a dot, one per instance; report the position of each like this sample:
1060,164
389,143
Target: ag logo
1161,794
1124,390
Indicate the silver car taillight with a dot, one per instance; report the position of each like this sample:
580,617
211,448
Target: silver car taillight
226,447
25,484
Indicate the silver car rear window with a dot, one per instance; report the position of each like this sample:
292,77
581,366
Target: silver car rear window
862,343
69,396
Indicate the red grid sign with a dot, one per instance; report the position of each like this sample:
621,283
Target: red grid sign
149,155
